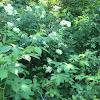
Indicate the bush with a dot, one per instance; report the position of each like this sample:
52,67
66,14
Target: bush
45,57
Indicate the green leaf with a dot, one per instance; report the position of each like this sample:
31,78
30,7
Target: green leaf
15,87
33,55
17,97
5,48
26,88
13,69
38,50
83,63
34,80
25,96
3,73
59,78
45,49
67,67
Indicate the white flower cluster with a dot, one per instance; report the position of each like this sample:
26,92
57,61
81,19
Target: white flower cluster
62,28
49,60
1,4
48,69
10,24
44,42
58,51
64,22
43,14
10,10
28,8
53,35
58,69
37,7
44,66
56,8
15,29
60,44
18,19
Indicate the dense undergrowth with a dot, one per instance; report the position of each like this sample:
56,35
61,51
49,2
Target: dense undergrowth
50,52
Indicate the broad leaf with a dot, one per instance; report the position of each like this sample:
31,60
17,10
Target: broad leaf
13,69
5,48
15,87
3,73
26,88
38,50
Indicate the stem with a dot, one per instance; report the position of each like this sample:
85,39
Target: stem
5,87
1,88
41,95
25,50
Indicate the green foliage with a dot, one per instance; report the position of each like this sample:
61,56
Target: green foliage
49,53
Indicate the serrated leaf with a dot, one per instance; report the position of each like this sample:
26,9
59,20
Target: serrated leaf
3,73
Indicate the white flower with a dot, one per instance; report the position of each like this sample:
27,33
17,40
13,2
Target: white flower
34,38
48,69
28,8
9,24
51,12
53,33
56,8
17,65
15,29
58,51
60,44
58,69
44,42
43,14
49,60
44,66
1,4
18,19
63,28
15,12
37,7
9,9
64,22
46,46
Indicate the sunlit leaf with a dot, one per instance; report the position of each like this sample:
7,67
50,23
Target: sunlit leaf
27,57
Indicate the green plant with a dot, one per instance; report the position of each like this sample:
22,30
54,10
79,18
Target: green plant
48,55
